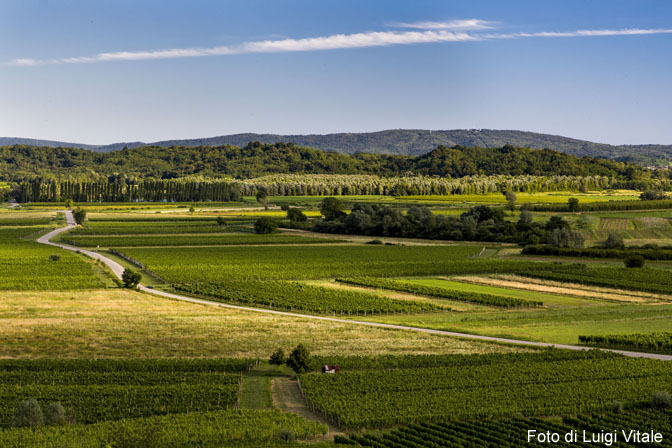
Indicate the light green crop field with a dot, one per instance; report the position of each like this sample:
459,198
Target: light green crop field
556,197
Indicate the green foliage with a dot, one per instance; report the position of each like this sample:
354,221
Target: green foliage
373,398
653,195
634,261
277,358
607,206
79,215
661,400
54,257
566,238
265,226
28,413
473,297
299,359
191,240
55,414
295,296
296,215
617,407
221,222
573,204
332,209
614,241
130,278
650,342
262,195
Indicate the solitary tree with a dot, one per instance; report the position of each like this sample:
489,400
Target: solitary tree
614,241
28,413
511,199
80,216
634,261
262,196
296,215
661,400
277,358
573,204
299,359
191,209
265,226
54,414
69,203
331,208
221,222
130,278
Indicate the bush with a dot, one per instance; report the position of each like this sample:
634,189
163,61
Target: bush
28,413
614,241
296,215
374,242
661,400
265,226
653,195
221,222
617,407
130,278
634,261
54,414
299,359
287,436
277,358
79,215
54,257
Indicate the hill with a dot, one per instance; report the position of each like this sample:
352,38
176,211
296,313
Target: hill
22,162
409,142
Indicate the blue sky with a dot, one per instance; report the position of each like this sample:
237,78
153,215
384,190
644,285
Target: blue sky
115,70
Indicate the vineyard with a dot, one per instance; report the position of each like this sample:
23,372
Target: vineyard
650,342
217,429
191,240
513,432
211,264
126,389
588,383
442,293
301,297
29,266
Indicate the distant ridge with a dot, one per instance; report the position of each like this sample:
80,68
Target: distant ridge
406,142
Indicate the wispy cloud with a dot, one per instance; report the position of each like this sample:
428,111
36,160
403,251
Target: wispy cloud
432,32
455,25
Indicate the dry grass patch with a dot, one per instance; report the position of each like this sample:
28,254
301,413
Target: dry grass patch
128,324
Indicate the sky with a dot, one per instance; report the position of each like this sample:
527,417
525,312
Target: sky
108,71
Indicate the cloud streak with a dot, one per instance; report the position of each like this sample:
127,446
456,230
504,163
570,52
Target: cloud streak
431,32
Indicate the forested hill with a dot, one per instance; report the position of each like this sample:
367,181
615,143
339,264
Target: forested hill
411,142
22,162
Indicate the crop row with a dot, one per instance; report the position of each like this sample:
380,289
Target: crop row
654,342
442,293
648,280
596,252
302,297
191,240
231,365
389,397
250,428
513,432
211,264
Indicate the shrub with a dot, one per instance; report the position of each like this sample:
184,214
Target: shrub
374,242
79,215
617,407
130,278
634,261
653,195
287,436
54,257
54,414
296,215
28,413
221,222
614,241
661,400
573,204
299,359
277,358
265,226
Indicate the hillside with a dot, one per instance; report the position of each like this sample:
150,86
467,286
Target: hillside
409,142
22,162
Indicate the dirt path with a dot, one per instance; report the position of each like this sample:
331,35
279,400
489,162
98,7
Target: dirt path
118,270
287,397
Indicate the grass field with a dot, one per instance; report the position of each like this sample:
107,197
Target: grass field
126,324
555,197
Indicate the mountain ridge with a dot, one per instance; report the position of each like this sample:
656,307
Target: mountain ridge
404,142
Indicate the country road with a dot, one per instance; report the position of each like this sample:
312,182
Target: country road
118,270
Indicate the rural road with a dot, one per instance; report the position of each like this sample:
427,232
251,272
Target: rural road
119,270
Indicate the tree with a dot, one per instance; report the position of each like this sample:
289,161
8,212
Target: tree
130,278
296,215
511,199
525,220
28,413
54,414
262,196
653,195
69,203
299,359
221,222
556,222
567,238
79,215
191,209
55,257
332,209
573,204
634,261
614,241
277,358
661,400
265,226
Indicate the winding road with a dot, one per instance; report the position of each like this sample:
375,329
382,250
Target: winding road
118,270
